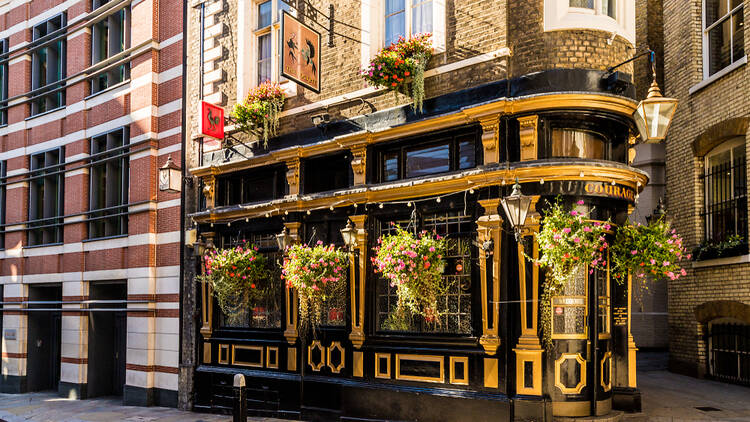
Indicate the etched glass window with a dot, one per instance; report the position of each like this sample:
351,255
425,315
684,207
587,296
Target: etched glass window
569,308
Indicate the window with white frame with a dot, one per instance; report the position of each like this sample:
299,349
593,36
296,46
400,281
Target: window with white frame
259,52
725,189
613,16
723,34
384,21
109,37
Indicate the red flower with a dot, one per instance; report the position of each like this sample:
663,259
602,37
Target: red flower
252,286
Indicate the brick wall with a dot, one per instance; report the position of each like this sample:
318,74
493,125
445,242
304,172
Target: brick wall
725,98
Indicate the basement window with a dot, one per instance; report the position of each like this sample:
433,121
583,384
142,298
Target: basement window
46,197
331,172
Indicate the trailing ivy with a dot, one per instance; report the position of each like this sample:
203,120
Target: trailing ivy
258,114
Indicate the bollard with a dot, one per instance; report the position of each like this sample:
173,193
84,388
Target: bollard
239,413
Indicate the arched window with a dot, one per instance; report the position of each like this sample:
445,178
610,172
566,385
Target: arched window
725,190
729,350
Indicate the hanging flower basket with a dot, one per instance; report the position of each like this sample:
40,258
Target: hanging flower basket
414,265
400,67
238,276
319,275
647,251
568,242
258,114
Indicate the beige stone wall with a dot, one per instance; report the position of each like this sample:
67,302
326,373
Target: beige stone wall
723,99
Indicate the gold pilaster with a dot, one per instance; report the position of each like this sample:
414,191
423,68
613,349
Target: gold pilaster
359,164
488,229
490,137
528,136
357,336
292,176
290,294
207,303
632,349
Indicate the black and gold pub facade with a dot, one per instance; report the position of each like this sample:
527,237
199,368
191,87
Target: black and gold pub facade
564,129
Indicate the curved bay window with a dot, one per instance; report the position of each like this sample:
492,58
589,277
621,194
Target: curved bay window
577,143
265,312
454,308
589,136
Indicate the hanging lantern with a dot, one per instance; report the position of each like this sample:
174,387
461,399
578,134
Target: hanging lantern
516,207
348,234
654,114
283,239
170,177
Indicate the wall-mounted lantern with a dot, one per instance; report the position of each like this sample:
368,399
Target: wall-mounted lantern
516,207
348,234
654,114
170,177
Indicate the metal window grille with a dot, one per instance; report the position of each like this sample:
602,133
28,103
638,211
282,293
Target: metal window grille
725,186
454,307
729,352
4,82
108,184
110,37
48,67
46,197
3,200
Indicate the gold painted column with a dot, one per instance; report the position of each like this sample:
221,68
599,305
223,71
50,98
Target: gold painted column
632,382
529,350
357,292
488,230
207,303
290,295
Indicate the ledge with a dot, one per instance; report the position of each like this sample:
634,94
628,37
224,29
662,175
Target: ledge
741,259
716,76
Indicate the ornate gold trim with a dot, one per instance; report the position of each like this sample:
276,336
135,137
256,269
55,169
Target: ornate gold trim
293,176
463,377
387,357
439,186
207,303
291,359
422,358
535,357
357,335
579,101
581,381
359,164
490,138
336,345
491,373
316,345
607,386
632,349
528,134
209,190
224,351
489,229
258,364
358,364
206,352
291,314
272,363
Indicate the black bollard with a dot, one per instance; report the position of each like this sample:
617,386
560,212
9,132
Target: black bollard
239,413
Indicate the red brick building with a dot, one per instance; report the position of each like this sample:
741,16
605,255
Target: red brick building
90,107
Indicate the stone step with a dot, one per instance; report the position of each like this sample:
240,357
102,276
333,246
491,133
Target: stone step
614,416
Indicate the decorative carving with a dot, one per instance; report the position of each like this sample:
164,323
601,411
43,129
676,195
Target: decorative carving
359,164
490,138
292,176
528,137
209,187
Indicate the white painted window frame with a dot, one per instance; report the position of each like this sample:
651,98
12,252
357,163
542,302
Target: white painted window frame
560,16
729,145
247,50
373,27
706,53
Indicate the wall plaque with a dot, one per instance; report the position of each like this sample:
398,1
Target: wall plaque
9,334
620,314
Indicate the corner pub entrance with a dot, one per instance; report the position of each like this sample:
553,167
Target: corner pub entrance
561,135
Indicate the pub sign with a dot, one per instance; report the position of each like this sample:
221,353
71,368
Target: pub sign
212,120
300,52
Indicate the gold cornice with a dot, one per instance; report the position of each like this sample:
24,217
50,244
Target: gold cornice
587,101
622,176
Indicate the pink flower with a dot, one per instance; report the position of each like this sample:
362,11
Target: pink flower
574,212
566,230
587,229
577,240
580,202
432,249
665,263
633,252
652,261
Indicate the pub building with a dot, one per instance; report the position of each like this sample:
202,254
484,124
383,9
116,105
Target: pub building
563,130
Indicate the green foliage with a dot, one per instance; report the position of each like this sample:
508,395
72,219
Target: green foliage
400,65
414,266
653,250
258,114
733,246
238,276
319,275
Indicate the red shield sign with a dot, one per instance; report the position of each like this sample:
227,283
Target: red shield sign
212,120
300,52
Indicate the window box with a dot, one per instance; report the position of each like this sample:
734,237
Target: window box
709,251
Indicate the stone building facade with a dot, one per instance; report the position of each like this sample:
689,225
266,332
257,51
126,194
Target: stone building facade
506,74
89,271
706,47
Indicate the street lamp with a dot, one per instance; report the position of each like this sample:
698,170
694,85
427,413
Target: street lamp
654,114
516,207
283,239
348,234
170,177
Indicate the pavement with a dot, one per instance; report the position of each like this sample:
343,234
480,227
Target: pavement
666,397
